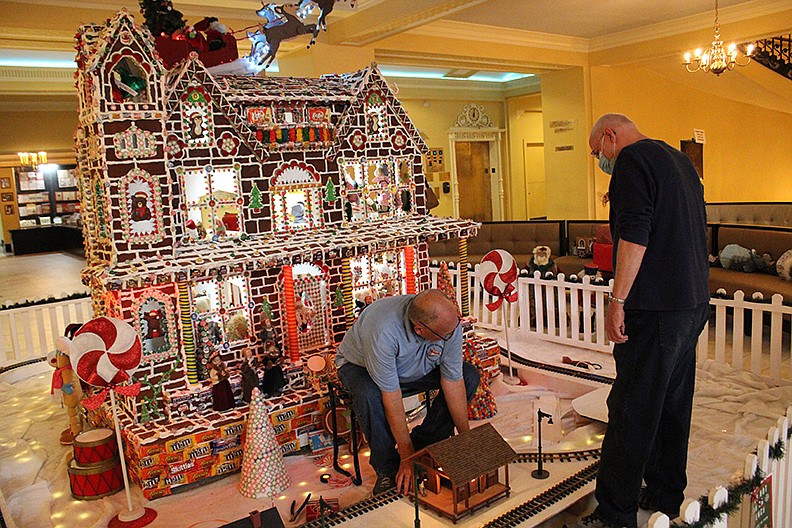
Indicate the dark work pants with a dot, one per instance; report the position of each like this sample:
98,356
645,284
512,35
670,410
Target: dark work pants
367,401
649,410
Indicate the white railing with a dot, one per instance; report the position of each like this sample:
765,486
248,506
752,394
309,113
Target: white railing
30,332
748,335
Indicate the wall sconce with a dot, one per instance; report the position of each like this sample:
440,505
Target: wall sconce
32,159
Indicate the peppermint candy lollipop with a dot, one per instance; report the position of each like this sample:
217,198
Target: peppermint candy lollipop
500,275
103,350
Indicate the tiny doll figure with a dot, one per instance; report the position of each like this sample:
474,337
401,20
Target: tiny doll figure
273,381
140,209
222,396
250,378
304,312
267,332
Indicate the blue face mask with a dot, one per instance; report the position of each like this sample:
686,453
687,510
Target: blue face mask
605,164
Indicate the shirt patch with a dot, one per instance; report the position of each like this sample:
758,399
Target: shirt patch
434,352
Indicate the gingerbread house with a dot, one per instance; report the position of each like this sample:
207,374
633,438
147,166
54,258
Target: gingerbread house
212,204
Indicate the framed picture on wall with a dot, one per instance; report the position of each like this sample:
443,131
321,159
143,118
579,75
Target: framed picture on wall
5,183
8,197
9,209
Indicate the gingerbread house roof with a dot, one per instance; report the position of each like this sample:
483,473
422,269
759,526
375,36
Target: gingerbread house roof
94,41
242,89
261,252
471,454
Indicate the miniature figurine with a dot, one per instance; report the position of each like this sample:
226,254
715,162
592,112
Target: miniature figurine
140,209
304,312
222,396
268,332
273,381
249,370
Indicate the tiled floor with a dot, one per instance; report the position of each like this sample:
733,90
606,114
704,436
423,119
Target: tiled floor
39,276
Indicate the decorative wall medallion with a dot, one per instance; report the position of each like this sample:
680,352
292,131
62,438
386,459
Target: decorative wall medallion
357,140
399,140
473,116
229,144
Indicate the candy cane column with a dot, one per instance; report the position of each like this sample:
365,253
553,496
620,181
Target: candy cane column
291,313
349,300
464,283
409,269
187,333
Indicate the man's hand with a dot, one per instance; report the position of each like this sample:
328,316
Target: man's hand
614,323
404,478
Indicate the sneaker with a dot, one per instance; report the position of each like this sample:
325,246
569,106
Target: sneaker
649,503
591,521
384,483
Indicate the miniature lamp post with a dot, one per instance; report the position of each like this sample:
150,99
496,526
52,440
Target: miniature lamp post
540,472
417,523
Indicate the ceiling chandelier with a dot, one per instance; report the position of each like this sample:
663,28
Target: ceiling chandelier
717,58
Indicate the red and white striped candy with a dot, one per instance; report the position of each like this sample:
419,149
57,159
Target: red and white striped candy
103,350
500,275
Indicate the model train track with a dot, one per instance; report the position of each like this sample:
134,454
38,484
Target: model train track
558,369
569,456
356,510
544,500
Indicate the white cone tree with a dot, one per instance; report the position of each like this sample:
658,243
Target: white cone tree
263,471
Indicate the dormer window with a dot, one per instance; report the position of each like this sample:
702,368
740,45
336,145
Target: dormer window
134,143
129,81
376,188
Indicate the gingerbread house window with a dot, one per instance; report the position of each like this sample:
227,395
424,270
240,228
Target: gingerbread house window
312,305
378,275
134,143
376,117
212,202
129,80
141,207
376,188
296,197
156,323
221,315
197,125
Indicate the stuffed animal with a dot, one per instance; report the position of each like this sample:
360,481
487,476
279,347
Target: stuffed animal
736,253
542,261
784,266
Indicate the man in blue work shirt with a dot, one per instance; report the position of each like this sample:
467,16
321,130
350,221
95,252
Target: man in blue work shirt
408,342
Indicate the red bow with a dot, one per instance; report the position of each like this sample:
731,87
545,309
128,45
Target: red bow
57,378
509,294
97,399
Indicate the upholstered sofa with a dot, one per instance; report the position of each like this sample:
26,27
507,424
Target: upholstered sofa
753,213
774,240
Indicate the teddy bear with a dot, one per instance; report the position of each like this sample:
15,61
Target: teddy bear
542,261
784,266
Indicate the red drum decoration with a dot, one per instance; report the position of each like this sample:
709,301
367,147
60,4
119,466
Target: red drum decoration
94,448
95,482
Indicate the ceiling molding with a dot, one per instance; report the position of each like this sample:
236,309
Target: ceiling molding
451,29
437,60
17,79
451,89
727,15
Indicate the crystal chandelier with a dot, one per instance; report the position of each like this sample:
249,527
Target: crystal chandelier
717,58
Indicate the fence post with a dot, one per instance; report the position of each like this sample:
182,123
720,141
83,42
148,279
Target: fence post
690,511
717,498
751,465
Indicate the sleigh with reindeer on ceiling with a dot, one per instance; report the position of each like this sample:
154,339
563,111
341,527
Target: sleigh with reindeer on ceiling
229,216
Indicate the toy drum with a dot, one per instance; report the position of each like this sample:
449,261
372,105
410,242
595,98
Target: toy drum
95,482
95,447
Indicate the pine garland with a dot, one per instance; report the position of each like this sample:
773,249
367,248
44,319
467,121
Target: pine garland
49,300
736,491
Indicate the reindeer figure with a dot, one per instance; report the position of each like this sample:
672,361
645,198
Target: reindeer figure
271,35
305,7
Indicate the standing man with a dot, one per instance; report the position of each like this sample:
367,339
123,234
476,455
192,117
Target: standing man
407,342
658,308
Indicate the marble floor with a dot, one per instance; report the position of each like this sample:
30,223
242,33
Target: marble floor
39,276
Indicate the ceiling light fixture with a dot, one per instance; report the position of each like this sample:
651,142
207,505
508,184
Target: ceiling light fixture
716,59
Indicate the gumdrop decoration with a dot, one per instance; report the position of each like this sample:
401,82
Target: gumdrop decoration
263,471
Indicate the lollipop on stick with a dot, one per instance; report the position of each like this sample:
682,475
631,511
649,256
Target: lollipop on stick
500,276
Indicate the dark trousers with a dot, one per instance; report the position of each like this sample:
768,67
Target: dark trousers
649,410
367,402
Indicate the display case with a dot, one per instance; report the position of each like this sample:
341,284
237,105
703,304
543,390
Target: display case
46,193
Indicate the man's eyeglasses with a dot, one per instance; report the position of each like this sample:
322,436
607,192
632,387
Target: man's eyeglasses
443,337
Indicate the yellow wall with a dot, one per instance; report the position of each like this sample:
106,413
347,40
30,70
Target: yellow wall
748,154
33,131
526,193
566,171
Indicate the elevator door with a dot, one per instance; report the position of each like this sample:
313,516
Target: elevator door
474,180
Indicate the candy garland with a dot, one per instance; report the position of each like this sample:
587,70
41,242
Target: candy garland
291,313
149,405
464,282
188,339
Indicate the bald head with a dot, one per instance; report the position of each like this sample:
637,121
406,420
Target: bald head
430,306
616,129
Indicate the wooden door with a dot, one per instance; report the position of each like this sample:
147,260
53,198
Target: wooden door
474,180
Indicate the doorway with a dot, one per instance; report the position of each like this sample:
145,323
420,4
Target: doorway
474,180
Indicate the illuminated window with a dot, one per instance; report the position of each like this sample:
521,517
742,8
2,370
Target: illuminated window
129,80
312,306
212,201
376,276
376,188
296,192
221,315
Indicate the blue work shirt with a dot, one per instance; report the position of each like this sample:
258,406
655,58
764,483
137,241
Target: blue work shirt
384,342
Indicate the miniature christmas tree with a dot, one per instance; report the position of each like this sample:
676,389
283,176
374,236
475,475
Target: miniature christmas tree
160,17
338,300
263,471
255,198
330,191
444,283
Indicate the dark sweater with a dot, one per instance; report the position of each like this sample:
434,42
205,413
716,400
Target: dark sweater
657,201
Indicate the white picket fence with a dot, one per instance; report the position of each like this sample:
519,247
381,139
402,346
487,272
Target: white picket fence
30,332
748,335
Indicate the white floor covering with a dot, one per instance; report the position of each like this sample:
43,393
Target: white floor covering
733,410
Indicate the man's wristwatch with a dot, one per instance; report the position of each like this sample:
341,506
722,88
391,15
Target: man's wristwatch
616,300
